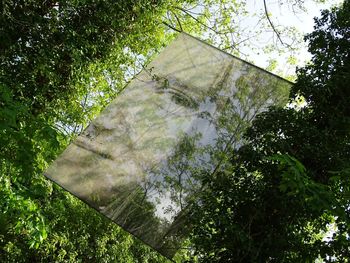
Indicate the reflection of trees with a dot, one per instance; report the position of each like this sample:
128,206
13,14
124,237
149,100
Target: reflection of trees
177,173
130,208
141,161
156,206
236,103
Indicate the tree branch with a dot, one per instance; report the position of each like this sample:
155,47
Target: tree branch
170,26
177,19
273,27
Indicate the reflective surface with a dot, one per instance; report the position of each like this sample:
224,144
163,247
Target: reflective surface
140,161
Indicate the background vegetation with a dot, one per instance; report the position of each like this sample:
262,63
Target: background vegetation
272,201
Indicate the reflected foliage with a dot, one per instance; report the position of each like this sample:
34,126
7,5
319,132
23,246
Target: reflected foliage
61,63
56,63
142,160
283,196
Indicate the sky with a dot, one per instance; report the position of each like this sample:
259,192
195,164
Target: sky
284,15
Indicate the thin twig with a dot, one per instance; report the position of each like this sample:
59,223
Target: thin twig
170,26
177,19
273,27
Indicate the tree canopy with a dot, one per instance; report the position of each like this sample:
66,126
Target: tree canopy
287,188
272,200
57,59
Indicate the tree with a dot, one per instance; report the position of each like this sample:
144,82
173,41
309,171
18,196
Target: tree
61,63
56,61
281,193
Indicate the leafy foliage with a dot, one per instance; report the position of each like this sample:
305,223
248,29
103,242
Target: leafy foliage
281,193
60,64
57,61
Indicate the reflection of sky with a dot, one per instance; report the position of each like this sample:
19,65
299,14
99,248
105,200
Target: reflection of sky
134,143
163,203
207,129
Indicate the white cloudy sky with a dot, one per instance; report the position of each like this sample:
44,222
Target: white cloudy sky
286,16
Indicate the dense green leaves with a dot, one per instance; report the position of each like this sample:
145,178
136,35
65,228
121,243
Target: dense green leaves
61,62
288,186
